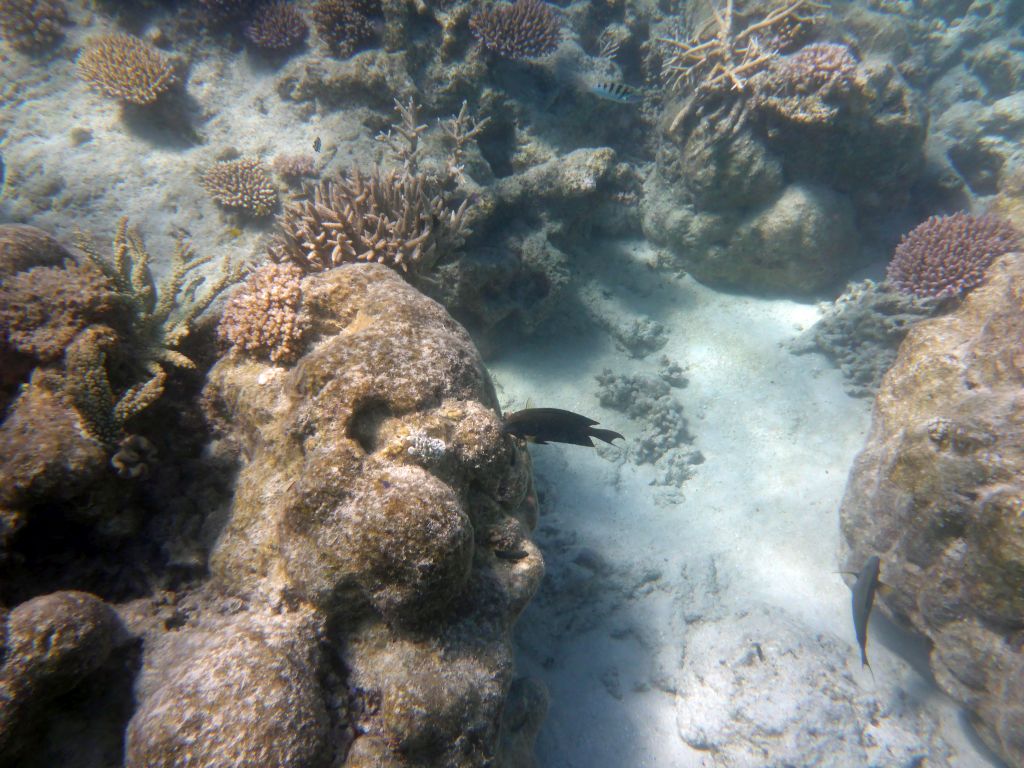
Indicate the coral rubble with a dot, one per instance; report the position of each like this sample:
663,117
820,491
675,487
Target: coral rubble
937,495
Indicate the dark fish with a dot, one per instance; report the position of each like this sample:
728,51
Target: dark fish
553,425
615,91
317,144
863,598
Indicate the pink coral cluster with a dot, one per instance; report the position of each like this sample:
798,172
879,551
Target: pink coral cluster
948,255
264,317
525,29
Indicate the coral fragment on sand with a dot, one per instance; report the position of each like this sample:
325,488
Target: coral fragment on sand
31,25
525,29
391,218
948,255
242,184
264,317
126,68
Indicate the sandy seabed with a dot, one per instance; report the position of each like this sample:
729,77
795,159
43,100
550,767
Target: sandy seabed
635,569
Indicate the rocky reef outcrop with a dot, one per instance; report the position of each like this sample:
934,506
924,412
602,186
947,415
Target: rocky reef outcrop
938,495
380,528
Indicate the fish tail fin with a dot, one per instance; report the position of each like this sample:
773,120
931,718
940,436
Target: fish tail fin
605,434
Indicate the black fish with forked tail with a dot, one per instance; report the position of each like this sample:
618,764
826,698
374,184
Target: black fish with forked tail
553,425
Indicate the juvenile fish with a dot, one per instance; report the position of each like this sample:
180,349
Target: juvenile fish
612,90
863,598
553,425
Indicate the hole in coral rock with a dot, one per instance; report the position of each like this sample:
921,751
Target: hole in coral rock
365,425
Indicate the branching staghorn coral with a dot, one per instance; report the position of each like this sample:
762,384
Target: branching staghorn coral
161,319
459,131
390,218
723,53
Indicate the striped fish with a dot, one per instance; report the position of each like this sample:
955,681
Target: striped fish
612,90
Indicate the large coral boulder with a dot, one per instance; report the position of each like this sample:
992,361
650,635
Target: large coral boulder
380,501
938,494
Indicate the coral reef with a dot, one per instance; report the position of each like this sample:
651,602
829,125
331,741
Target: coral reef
524,29
242,185
948,255
220,11
391,218
31,25
276,26
809,86
861,332
264,316
395,483
937,495
126,68
342,25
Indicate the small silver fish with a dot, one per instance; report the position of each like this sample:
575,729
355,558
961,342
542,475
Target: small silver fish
611,90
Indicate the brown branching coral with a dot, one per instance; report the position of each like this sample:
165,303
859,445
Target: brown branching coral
525,29
126,68
161,318
729,48
31,25
265,318
342,24
44,308
391,218
242,184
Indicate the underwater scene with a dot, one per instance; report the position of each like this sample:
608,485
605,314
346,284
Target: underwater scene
527,383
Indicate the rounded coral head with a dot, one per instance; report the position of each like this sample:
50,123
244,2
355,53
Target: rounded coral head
525,29
948,255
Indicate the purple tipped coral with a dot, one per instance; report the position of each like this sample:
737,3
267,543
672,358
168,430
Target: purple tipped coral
276,26
948,255
525,29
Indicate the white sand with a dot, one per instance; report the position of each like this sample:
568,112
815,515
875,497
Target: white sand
778,435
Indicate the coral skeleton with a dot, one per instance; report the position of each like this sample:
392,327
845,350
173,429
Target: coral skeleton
126,68
391,218
161,319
